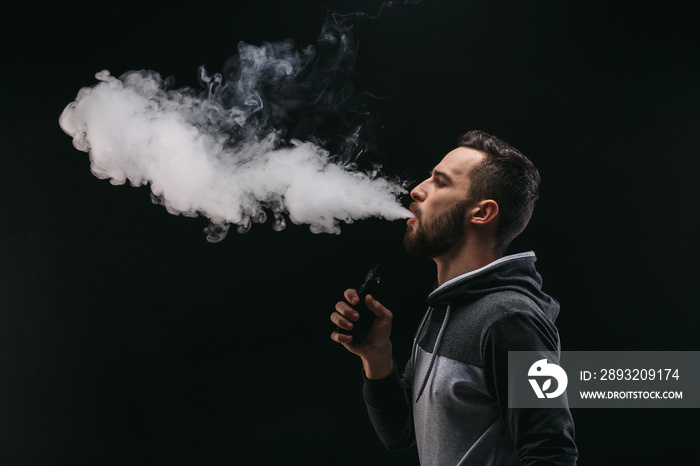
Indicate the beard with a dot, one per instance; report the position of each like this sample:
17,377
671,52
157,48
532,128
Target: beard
437,237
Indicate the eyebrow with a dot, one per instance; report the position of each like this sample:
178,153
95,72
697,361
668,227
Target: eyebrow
442,175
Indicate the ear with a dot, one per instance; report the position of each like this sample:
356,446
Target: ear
484,212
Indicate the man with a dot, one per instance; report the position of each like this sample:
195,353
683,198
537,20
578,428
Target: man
452,400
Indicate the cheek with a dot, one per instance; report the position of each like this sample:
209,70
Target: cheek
432,208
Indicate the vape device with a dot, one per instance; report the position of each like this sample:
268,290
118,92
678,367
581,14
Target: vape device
362,325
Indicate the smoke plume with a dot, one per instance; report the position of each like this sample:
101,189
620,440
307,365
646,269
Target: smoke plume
277,132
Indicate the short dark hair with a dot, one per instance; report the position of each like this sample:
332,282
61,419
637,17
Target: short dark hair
506,176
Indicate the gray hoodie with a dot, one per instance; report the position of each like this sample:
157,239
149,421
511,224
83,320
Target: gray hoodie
452,398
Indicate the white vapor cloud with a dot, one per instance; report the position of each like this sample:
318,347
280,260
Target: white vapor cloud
228,153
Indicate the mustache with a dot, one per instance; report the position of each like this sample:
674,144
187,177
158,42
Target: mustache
413,207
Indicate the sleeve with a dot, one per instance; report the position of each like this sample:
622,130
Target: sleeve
389,408
542,436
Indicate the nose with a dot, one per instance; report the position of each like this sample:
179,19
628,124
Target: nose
418,193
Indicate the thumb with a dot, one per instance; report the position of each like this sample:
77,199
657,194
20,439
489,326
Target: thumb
377,308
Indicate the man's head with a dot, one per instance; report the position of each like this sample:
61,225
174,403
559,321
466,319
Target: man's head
484,186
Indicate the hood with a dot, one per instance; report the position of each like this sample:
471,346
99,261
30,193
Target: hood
510,273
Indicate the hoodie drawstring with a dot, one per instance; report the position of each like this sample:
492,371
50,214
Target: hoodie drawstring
434,353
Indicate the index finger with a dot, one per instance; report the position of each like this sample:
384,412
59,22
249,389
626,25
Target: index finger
352,296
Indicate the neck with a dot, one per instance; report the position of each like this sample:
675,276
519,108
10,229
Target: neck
463,261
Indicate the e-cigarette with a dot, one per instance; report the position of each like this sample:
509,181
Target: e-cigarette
362,325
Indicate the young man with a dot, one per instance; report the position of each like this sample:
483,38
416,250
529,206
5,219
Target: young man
452,399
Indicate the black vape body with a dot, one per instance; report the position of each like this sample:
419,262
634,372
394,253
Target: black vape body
363,324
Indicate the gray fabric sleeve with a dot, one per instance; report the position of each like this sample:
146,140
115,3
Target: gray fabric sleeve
389,408
541,435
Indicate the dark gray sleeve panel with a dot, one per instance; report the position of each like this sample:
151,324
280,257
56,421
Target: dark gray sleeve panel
541,436
389,408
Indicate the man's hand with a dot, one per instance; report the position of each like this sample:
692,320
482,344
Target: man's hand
375,349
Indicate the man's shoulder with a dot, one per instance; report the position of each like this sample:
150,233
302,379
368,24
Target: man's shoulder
494,306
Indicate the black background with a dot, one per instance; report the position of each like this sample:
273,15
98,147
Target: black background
127,338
